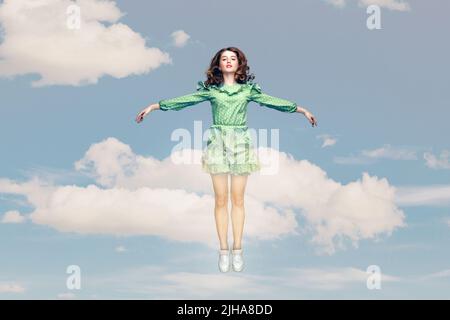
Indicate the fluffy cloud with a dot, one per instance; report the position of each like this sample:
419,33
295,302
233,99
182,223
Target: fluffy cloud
389,152
419,195
145,196
180,38
120,249
40,37
328,279
385,152
173,214
157,282
328,140
12,216
337,3
437,275
397,5
434,162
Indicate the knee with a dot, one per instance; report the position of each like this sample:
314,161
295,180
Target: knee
237,201
221,200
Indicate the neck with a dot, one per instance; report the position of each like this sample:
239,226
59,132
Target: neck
228,79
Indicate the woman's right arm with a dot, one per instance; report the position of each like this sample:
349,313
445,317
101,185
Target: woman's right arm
178,103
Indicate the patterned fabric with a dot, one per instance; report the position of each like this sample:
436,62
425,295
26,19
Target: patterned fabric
229,147
229,102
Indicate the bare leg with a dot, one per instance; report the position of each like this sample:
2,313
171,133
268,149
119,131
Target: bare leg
220,184
238,184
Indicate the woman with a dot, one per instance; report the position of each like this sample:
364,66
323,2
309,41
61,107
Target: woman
229,88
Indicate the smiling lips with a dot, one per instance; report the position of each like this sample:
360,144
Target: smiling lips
229,66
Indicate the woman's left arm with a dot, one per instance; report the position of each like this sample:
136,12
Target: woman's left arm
279,104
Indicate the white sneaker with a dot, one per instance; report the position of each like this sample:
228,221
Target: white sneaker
238,260
224,260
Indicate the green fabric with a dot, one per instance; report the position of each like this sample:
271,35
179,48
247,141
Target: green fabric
229,102
229,146
229,150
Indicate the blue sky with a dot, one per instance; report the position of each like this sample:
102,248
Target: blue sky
82,184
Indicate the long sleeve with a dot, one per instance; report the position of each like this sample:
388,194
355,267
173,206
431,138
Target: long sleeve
178,103
263,99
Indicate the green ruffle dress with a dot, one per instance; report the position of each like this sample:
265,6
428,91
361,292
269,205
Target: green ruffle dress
229,148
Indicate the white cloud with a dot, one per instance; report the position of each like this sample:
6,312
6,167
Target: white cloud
358,210
385,152
164,284
121,249
397,5
329,278
160,283
352,160
140,203
437,275
145,196
423,195
328,140
38,40
337,3
180,38
146,211
13,216
11,288
441,162
66,296
389,152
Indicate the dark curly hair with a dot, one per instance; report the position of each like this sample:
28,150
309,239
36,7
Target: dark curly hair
215,76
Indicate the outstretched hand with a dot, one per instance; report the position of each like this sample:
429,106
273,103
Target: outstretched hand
142,114
311,118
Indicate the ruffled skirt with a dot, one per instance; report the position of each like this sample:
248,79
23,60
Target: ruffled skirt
229,149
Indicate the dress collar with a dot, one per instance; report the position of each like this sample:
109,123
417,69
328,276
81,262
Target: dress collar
229,89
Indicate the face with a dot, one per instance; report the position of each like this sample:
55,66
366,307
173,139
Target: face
228,62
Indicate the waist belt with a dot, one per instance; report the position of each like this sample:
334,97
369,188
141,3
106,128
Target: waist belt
228,126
